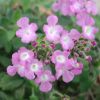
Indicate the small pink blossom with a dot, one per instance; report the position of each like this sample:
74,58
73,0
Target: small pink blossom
89,32
91,7
33,68
59,57
66,41
74,34
83,19
65,72
63,6
27,32
22,56
74,66
52,30
76,6
44,79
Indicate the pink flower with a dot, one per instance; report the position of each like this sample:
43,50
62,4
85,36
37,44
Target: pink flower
21,69
11,70
59,57
89,32
63,6
52,30
27,32
44,78
66,41
22,56
91,7
74,34
77,6
83,18
65,72
33,68
74,66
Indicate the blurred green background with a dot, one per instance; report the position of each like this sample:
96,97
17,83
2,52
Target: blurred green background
83,87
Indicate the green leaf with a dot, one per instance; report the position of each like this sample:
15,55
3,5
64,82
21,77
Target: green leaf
16,43
19,93
16,15
3,36
85,82
10,35
10,83
4,96
4,60
8,47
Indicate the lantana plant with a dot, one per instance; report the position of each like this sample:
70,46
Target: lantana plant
42,61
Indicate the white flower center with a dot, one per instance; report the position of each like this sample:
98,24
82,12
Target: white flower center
27,31
66,39
88,30
34,67
24,56
52,31
60,59
44,77
77,5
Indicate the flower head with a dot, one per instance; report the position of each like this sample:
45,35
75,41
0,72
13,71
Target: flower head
91,7
27,32
65,72
76,6
63,6
89,32
22,56
59,57
83,18
52,30
74,66
44,78
68,38
33,68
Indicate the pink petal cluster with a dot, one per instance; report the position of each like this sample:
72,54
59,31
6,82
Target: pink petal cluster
87,23
35,63
82,10
72,7
44,79
63,6
26,65
26,31
68,38
52,29
65,67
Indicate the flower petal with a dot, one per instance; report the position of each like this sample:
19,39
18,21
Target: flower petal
68,76
45,87
52,20
11,70
23,22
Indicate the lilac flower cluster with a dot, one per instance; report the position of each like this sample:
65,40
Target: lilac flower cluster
81,9
36,63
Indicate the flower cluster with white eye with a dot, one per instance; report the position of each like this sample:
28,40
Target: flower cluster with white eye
32,64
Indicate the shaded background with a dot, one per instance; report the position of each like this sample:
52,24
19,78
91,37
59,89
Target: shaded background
83,87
